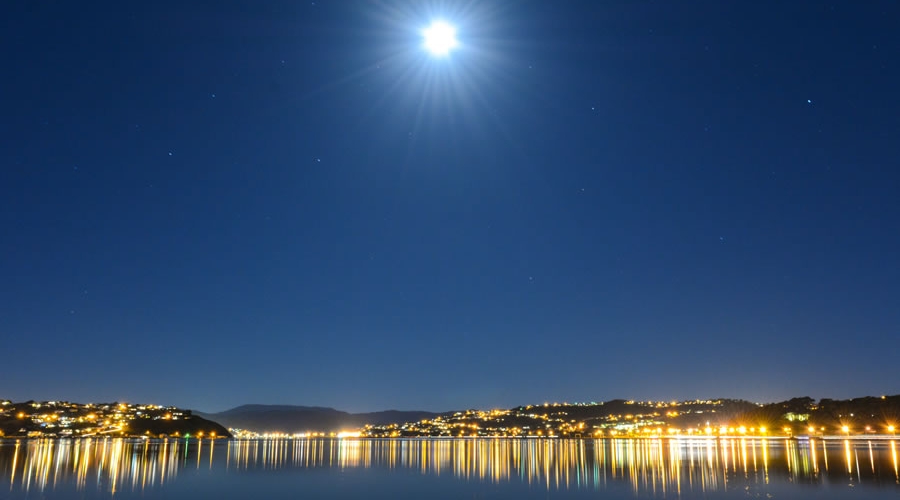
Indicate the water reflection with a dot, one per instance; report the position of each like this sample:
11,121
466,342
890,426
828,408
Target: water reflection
110,464
659,467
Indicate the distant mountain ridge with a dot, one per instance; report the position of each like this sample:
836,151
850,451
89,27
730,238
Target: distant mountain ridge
294,419
263,407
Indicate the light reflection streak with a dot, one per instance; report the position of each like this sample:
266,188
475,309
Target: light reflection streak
894,458
847,454
858,471
871,457
813,453
655,467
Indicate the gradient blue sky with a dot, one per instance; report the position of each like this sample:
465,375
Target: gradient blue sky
215,203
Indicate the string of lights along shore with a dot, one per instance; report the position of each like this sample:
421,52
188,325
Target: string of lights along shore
442,206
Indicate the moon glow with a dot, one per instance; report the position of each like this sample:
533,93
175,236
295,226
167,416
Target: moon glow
440,38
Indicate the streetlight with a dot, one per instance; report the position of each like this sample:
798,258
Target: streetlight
846,430
891,429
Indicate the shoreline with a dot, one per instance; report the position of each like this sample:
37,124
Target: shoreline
830,437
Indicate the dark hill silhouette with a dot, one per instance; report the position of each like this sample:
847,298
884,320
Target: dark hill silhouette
193,425
293,419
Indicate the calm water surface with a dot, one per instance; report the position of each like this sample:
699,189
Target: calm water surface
449,468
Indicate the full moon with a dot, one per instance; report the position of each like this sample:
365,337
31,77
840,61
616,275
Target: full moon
440,38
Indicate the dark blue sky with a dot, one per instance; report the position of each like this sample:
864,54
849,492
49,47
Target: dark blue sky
215,203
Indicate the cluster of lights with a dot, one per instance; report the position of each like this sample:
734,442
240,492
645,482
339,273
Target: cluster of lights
472,430
245,434
65,419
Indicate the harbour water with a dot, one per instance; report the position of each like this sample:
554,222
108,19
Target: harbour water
449,468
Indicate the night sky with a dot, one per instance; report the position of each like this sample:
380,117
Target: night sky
215,203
